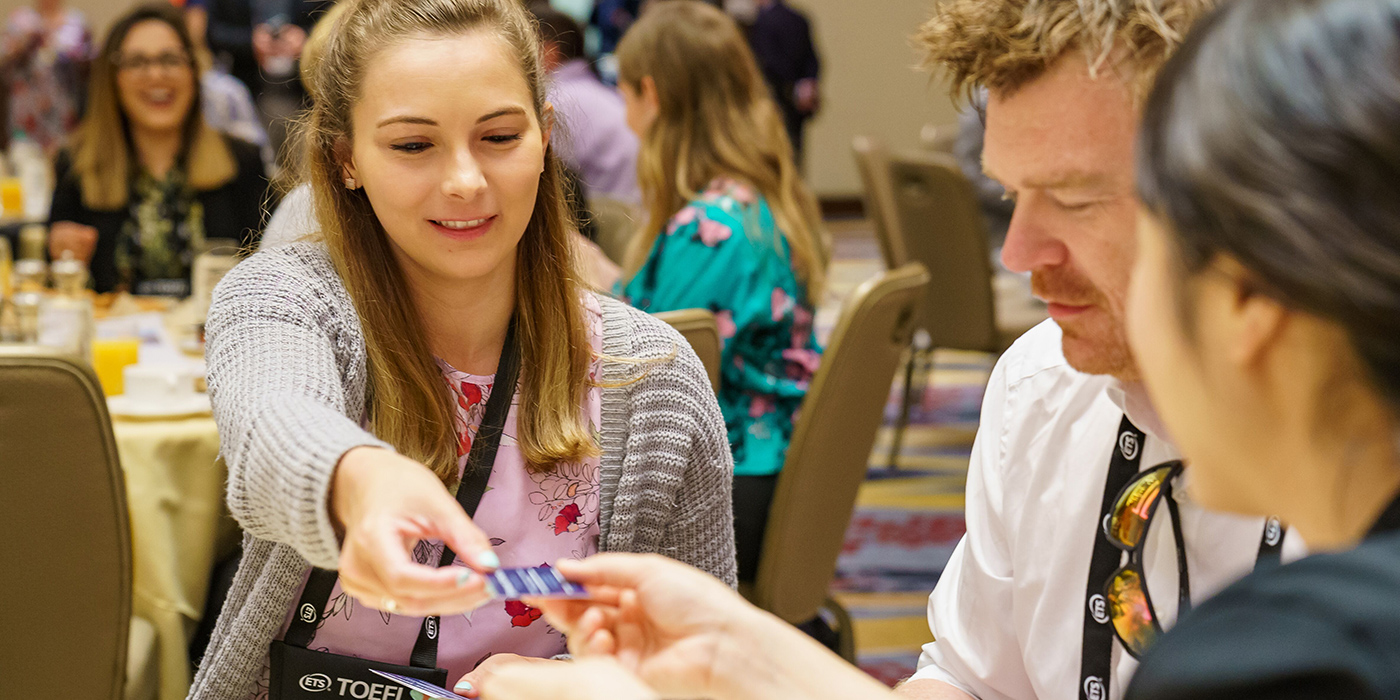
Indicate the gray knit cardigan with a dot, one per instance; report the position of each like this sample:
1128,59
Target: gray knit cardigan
287,376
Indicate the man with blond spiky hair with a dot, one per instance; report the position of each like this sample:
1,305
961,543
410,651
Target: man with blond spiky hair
1024,608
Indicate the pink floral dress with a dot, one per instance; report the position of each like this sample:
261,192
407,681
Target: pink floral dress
532,517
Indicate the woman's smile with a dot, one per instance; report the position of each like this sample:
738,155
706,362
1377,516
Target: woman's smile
463,229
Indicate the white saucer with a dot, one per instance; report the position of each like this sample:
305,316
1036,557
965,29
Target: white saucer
125,407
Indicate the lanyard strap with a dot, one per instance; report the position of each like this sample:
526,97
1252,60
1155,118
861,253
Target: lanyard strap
474,480
1270,544
1095,664
1097,659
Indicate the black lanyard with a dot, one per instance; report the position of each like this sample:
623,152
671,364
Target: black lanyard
311,607
1096,663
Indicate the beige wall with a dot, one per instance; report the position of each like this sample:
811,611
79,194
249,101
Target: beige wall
869,83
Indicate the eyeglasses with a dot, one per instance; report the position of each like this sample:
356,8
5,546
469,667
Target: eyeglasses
1130,607
170,61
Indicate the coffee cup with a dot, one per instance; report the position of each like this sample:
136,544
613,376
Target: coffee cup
157,384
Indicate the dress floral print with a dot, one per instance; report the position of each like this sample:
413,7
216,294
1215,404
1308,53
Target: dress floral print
722,252
533,517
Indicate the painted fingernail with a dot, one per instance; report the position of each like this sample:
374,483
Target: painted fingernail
489,560
463,576
463,685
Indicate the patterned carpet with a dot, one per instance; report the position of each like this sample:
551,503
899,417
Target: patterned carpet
907,520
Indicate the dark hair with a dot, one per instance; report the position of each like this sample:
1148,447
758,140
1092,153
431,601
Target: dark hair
1273,137
560,30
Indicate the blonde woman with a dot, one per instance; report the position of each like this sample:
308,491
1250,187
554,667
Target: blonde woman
146,181
354,379
731,228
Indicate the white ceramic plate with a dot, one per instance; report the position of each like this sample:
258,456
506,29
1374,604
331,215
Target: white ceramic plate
125,407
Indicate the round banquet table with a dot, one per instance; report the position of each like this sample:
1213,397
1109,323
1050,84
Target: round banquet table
179,529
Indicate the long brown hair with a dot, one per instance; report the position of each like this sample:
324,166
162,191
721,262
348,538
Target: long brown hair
103,153
409,405
716,119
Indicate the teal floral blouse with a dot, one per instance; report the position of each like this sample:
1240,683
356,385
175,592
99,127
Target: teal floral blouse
722,252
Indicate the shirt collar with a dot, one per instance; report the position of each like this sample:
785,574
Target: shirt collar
1131,398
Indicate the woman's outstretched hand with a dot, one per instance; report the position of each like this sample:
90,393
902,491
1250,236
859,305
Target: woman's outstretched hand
384,504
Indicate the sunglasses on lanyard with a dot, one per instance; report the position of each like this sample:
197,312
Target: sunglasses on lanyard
1130,607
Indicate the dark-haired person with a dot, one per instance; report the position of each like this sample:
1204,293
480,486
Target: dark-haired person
781,38
594,142
146,182
1265,315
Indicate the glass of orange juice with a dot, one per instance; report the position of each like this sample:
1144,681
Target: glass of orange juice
109,357
11,196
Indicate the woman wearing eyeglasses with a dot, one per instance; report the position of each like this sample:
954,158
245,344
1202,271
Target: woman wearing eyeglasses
1265,318
145,182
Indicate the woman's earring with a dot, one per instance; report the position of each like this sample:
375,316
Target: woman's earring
351,184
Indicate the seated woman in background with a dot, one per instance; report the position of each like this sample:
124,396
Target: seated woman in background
1264,315
354,375
146,182
731,229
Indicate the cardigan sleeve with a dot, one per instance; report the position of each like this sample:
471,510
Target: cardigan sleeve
674,494
702,532
283,378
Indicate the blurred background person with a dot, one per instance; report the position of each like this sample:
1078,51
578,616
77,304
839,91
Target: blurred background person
967,149
147,182
44,58
613,18
294,216
781,38
226,101
260,41
594,140
730,228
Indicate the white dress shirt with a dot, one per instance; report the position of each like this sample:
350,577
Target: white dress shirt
1008,612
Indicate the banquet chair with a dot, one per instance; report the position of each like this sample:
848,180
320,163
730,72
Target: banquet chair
67,540
698,327
929,213
873,162
830,450
616,221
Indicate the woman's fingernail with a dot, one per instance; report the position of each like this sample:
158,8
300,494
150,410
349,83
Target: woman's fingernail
489,560
463,576
463,685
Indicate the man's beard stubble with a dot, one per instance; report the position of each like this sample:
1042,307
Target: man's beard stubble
1095,342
